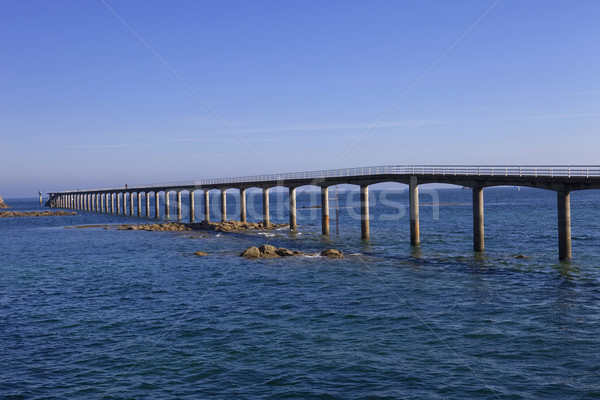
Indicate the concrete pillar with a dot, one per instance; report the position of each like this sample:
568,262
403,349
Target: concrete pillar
243,205
131,203
112,203
415,237
478,235
223,205
364,212
156,204
324,210
206,205
125,203
192,207
167,211
147,199
292,201
564,224
139,203
118,203
265,196
178,204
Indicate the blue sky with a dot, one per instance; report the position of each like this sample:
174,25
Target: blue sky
213,89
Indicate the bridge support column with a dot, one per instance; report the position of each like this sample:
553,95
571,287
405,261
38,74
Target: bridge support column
265,198
223,205
415,238
119,203
147,198
139,203
178,204
364,212
192,206
112,203
156,204
324,210
97,199
167,205
292,201
564,224
206,205
478,233
243,205
131,203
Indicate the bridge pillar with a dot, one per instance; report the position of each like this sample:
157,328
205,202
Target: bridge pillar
119,203
206,205
292,201
223,205
112,203
415,238
131,203
167,205
139,203
243,205
265,198
478,232
364,212
156,204
564,224
324,210
178,204
147,199
192,206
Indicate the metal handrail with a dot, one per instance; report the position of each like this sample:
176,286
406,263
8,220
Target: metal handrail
581,171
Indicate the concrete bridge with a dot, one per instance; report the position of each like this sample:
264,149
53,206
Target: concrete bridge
561,179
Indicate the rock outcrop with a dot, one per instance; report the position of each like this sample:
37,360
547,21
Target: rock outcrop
200,253
332,253
3,204
8,214
268,251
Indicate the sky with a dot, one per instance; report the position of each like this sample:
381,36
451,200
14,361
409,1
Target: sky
101,93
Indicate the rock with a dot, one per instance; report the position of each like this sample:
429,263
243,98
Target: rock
268,251
251,252
3,204
282,252
200,253
332,253
520,257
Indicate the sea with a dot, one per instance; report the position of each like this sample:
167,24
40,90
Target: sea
100,313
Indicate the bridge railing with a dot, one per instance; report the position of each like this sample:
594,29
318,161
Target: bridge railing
581,171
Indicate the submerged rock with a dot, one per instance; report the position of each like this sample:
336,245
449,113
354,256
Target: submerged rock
332,253
200,253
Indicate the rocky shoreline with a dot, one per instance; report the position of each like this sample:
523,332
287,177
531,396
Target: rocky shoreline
226,226
9,214
3,204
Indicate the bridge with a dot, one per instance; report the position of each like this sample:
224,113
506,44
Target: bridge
562,179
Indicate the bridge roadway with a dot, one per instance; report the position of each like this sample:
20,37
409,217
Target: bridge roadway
561,179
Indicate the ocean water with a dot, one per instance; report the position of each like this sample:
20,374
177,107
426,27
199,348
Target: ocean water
108,314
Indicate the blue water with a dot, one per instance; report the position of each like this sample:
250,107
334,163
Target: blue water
107,314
